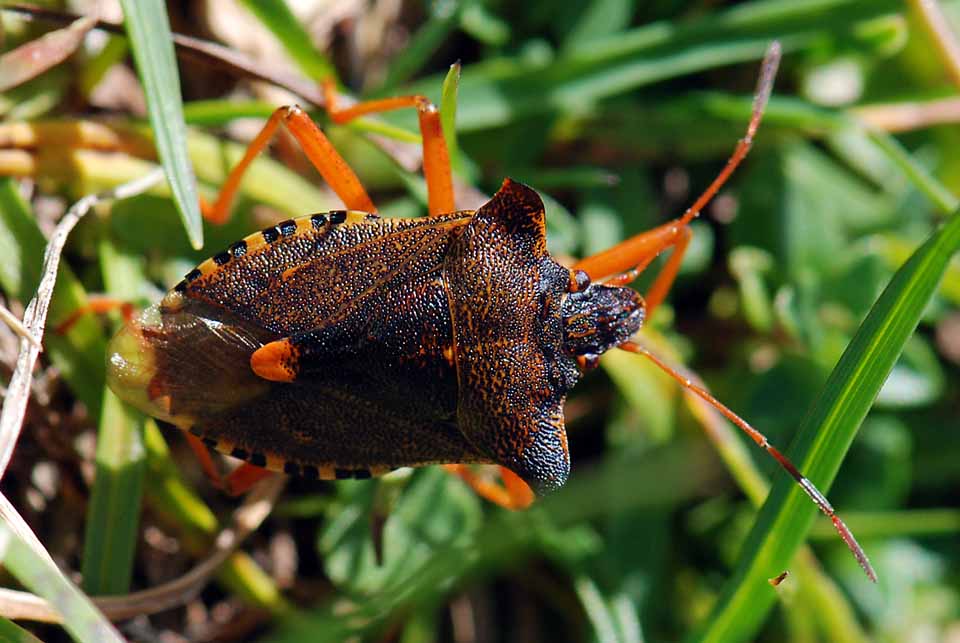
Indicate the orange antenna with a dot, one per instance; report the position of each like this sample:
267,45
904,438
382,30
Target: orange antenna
632,255
811,490
768,71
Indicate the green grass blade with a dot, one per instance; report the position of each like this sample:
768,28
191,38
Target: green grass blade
448,114
152,44
423,44
216,113
113,516
493,94
38,574
905,523
10,632
918,175
826,434
78,354
596,609
483,25
277,17
376,126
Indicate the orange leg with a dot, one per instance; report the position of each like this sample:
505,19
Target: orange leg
97,305
206,460
513,494
332,167
238,481
628,258
436,159
661,285
241,479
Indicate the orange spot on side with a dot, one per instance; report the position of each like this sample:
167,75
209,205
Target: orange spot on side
275,361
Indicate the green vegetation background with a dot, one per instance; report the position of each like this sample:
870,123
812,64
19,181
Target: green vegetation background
619,113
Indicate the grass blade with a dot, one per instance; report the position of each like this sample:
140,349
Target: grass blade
448,115
494,95
423,44
918,175
197,50
10,632
38,574
152,44
826,434
32,59
277,17
78,354
113,516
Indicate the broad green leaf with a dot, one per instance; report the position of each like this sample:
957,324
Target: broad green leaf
800,204
656,479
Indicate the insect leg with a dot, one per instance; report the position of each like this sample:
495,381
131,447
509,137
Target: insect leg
238,481
332,167
96,305
661,285
632,255
761,440
202,453
512,494
436,159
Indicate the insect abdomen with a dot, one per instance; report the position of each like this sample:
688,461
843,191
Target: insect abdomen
378,386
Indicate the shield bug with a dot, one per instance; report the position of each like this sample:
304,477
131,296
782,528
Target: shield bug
342,344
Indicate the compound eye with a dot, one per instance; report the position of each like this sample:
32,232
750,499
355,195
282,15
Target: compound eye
579,280
588,362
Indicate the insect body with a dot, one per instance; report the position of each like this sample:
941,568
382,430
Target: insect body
344,345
